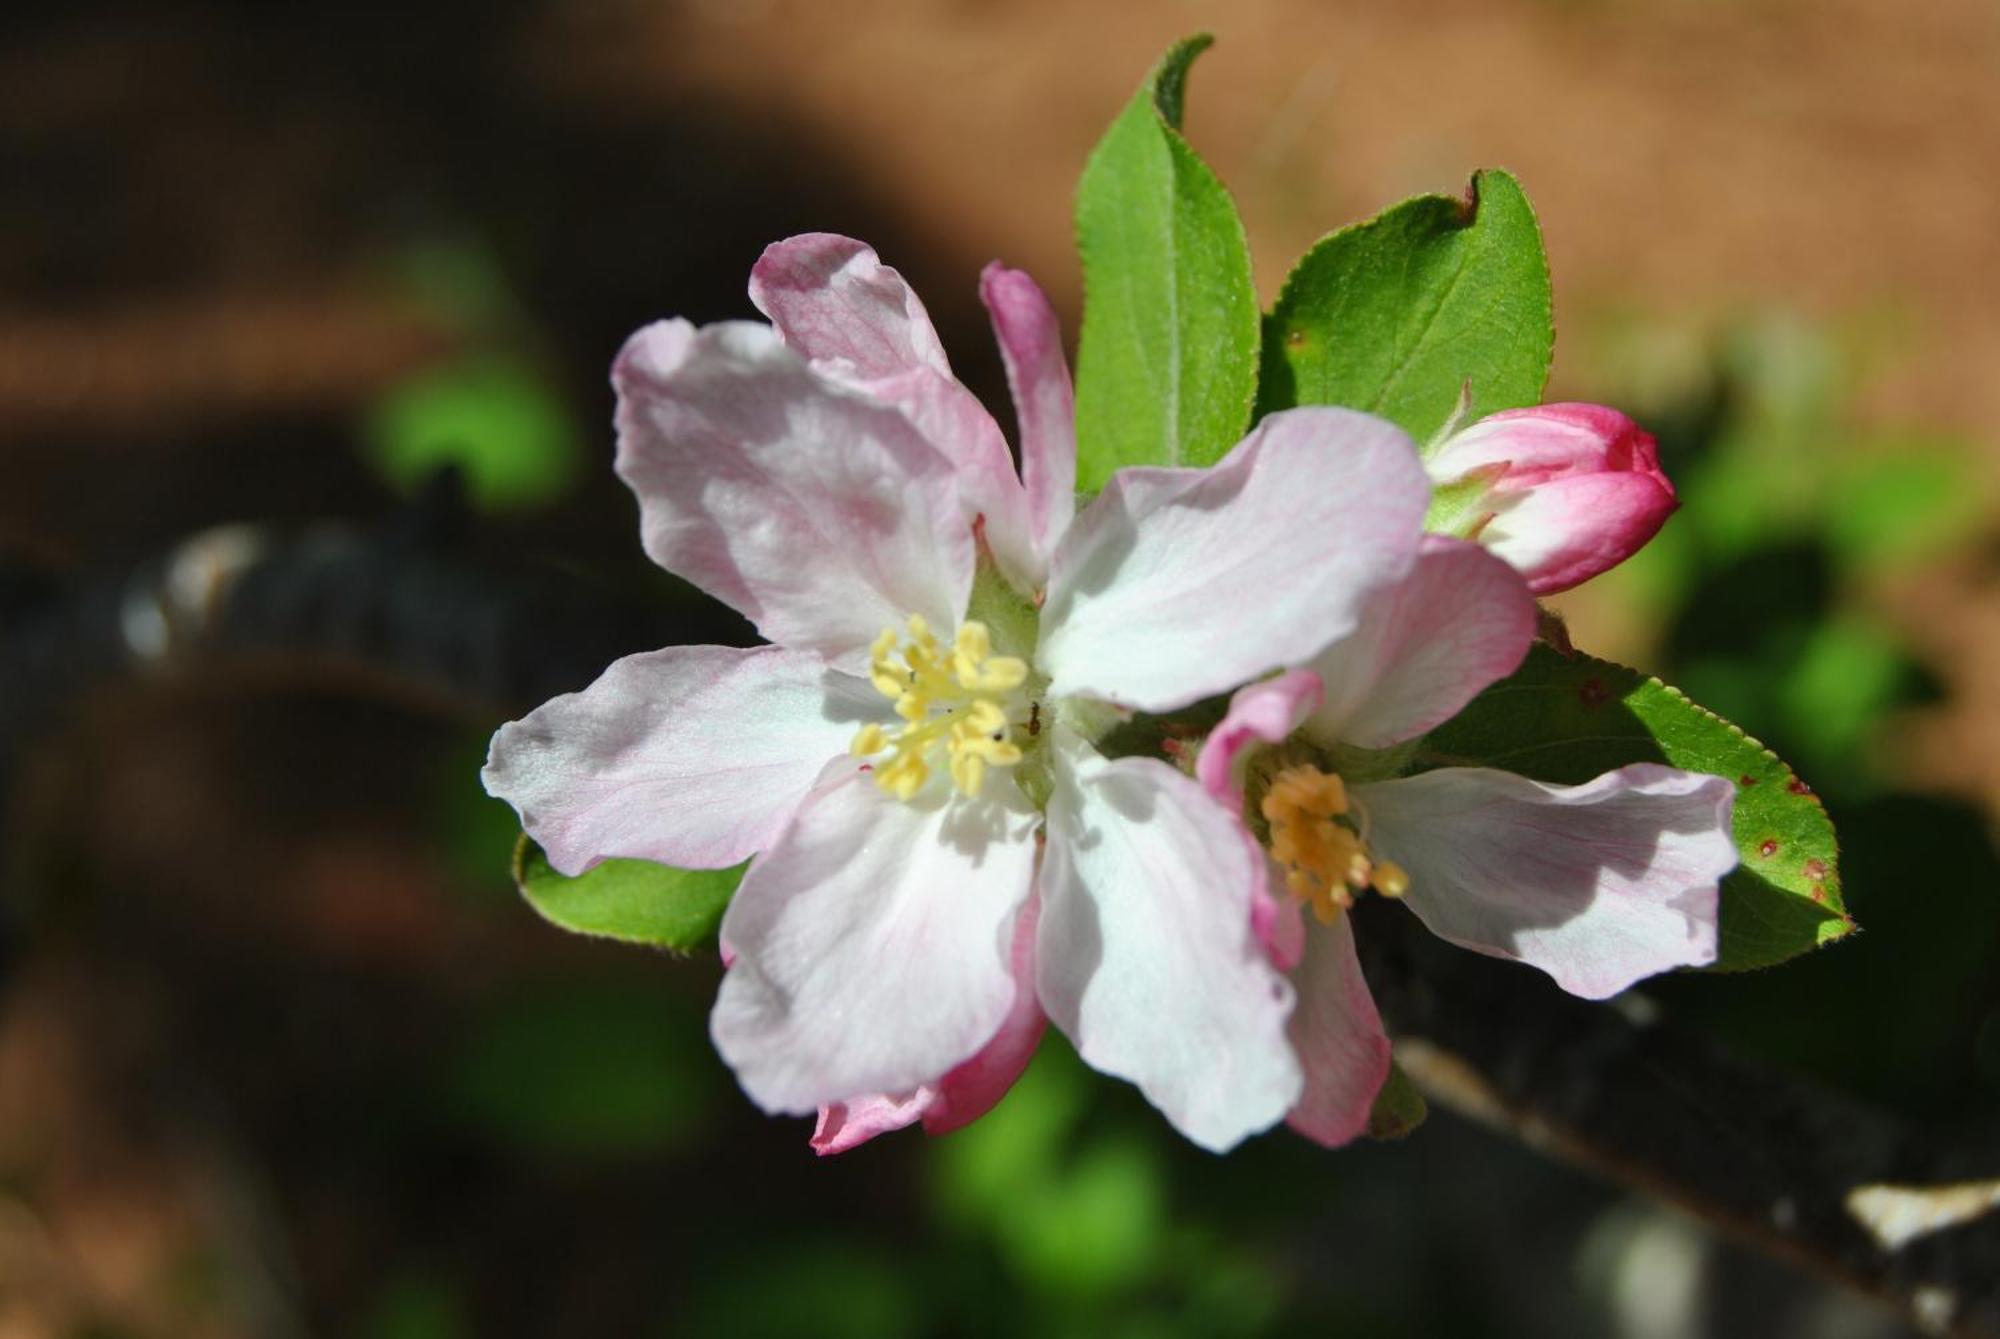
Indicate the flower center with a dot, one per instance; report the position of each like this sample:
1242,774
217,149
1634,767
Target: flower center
1324,852
950,701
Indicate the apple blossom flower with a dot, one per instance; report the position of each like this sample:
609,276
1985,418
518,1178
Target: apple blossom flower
943,856
1598,885
1561,491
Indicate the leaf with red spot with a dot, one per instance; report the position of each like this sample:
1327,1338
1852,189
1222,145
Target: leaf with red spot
1566,719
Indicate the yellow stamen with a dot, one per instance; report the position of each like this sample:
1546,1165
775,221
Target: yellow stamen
1326,860
954,700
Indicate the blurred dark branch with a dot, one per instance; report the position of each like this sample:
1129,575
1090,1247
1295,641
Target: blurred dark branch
1764,1156
404,607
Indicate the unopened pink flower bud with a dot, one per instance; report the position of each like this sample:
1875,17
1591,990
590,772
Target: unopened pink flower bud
1561,491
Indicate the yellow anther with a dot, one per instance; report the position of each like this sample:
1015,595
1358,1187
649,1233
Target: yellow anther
951,701
1326,860
1391,880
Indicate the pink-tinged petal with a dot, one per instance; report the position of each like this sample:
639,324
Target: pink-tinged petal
1267,711
971,1089
1030,339
832,300
1567,531
1279,922
1175,585
693,756
1147,959
1339,1039
1575,489
1598,885
873,942
1550,441
831,297
850,1124
820,514
1424,648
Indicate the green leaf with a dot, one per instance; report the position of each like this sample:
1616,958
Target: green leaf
1167,361
1398,314
635,901
1567,719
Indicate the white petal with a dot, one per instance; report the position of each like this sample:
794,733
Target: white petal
872,943
693,756
1425,647
1178,584
1598,885
821,514
1147,958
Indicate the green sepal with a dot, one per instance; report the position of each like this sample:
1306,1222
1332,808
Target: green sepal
632,901
1402,314
1568,718
1167,358
1399,1107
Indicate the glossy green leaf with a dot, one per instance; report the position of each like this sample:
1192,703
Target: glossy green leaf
1167,360
635,901
1567,719
1397,315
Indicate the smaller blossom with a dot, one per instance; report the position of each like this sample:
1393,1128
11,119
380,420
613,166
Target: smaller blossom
1561,491
1598,884
942,859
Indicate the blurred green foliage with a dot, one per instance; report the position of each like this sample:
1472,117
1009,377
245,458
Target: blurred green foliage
583,1069
1767,584
494,416
493,410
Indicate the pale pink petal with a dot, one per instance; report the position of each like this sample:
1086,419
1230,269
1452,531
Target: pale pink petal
970,1090
850,1124
1338,1037
1175,585
873,942
693,756
1267,711
1147,958
1044,401
820,514
1424,648
1598,885
1567,531
1575,488
833,301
